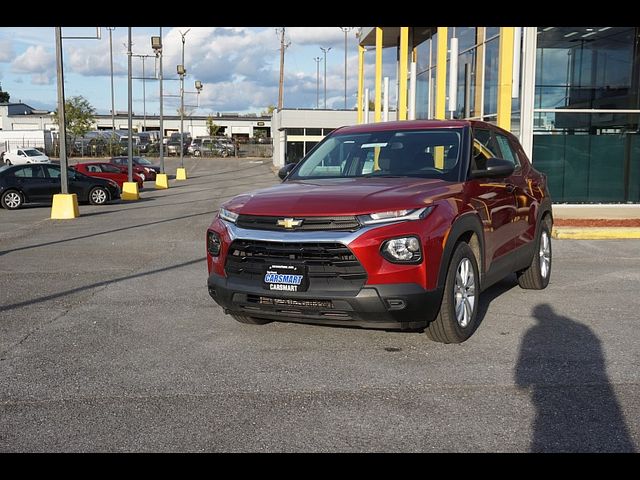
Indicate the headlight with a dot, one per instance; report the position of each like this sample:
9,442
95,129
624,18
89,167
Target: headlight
213,243
395,216
227,215
402,250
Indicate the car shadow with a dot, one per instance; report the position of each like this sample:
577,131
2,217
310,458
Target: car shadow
562,365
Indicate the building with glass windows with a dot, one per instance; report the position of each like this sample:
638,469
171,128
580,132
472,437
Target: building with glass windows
571,94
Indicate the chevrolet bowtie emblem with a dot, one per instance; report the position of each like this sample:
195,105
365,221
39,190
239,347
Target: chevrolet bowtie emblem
289,223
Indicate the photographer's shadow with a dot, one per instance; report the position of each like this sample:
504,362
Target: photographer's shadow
562,364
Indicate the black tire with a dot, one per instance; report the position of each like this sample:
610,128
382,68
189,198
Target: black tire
250,320
98,196
12,199
7,162
197,153
533,277
446,328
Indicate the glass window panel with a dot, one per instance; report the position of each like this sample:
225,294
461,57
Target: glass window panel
314,131
492,31
422,95
491,77
466,37
422,52
506,150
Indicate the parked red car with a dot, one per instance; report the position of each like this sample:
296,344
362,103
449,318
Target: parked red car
141,166
107,170
395,225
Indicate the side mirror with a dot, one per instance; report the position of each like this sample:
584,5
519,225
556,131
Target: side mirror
284,171
495,168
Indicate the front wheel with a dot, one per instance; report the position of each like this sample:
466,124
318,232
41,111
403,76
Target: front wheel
250,320
536,275
457,318
98,196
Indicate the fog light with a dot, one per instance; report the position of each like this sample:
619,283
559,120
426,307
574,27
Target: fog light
402,250
213,243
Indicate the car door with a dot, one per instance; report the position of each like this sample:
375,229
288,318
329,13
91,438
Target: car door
53,180
31,180
524,220
493,198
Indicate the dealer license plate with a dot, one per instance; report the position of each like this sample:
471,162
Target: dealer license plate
286,278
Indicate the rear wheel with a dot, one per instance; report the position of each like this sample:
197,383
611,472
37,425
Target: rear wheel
536,276
98,196
8,162
250,320
457,318
11,199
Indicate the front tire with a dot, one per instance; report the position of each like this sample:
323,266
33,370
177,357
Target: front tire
250,320
12,200
457,319
536,275
98,196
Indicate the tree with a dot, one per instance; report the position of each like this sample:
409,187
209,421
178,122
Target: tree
4,96
212,128
269,110
79,117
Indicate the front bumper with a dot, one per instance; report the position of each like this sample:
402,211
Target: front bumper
400,306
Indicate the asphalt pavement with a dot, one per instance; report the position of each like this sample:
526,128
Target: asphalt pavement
110,342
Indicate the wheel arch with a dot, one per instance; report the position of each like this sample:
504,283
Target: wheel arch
467,228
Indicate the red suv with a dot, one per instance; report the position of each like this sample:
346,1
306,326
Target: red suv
396,225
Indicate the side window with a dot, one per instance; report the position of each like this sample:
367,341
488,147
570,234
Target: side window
484,147
507,150
53,172
24,172
21,153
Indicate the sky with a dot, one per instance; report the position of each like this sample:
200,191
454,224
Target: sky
238,67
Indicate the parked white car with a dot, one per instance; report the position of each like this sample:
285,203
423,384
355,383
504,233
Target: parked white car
25,155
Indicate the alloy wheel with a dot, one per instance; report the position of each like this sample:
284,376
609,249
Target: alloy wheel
544,254
464,292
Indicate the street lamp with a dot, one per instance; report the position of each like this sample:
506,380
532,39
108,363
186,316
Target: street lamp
317,60
345,30
156,45
182,72
325,50
113,118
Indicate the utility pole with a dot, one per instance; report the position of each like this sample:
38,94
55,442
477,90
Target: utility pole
325,50
283,46
317,60
144,99
345,30
130,123
113,117
62,125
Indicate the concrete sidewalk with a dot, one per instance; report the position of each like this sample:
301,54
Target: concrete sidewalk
596,221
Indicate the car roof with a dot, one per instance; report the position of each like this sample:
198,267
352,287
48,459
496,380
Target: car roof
414,125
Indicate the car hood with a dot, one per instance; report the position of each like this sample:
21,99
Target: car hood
342,196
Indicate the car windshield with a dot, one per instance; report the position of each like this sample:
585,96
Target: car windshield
392,153
32,152
142,161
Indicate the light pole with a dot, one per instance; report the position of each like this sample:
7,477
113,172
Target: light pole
325,50
182,72
64,185
156,45
113,117
345,30
130,120
317,60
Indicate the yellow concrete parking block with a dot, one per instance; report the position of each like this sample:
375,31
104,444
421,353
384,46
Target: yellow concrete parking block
64,206
130,191
596,233
181,173
162,181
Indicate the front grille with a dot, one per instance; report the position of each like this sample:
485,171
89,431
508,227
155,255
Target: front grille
331,266
259,222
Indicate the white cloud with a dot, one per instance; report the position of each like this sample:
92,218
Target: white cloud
6,50
37,61
321,36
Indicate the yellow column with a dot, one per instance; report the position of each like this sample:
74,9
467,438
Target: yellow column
505,76
402,73
441,73
360,82
378,81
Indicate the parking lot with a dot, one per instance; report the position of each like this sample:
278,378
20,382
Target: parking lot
109,341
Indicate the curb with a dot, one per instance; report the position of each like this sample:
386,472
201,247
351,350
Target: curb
595,233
